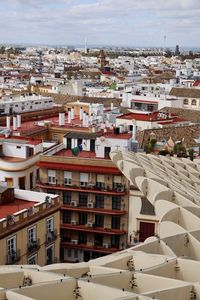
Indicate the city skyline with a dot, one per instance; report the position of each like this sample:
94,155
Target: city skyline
128,22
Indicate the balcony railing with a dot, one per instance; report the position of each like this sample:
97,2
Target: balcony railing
107,190
33,246
92,229
13,257
51,236
104,248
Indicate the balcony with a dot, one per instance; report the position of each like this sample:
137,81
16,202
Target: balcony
90,247
94,210
13,258
33,246
105,230
119,191
51,236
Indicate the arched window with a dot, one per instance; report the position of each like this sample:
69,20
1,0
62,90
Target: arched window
194,102
185,101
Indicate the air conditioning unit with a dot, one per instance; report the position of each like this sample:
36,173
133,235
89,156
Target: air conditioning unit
105,245
90,224
73,222
73,203
90,205
83,184
120,189
74,242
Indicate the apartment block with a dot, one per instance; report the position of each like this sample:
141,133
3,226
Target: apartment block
29,227
94,193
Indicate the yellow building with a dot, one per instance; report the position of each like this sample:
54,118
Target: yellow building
29,227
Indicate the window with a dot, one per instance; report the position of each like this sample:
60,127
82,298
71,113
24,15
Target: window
194,102
115,222
32,234
100,181
84,179
75,253
82,218
67,217
18,147
50,255
185,101
99,220
32,260
69,252
50,225
114,241
83,199
82,238
67,196
99,201
116,202
51,176
67,178
11,246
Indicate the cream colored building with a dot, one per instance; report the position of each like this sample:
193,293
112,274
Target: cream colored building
29,227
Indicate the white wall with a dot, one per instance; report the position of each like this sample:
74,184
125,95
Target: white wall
113,143
10,149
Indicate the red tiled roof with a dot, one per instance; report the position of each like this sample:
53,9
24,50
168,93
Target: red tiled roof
11,208
196,83
79,168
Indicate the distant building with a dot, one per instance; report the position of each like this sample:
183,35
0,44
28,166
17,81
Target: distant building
18,158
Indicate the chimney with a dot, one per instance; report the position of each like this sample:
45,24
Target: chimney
63,119
72,113
8,122
19,119
86,120
90,109
111,106
134,132
69,116
14,123
84,116
81,113
60,119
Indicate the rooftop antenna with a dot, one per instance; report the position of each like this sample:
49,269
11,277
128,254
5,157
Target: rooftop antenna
164,44
86,46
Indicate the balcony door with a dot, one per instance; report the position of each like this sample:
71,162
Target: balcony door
50,255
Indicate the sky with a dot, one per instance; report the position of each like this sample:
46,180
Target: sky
140,23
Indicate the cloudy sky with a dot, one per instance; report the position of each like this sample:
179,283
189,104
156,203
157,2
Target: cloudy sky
107,22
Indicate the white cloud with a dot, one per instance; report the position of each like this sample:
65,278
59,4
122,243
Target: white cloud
103,21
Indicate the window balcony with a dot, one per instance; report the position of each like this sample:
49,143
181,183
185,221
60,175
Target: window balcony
51,236
85,228
107,190
33,246
13,258
94,210
105,248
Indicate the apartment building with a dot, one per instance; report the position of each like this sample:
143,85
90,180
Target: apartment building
18,158
94,193
29,227
24,103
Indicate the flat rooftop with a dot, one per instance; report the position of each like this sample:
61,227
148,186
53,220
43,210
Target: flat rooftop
82,154
14,207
